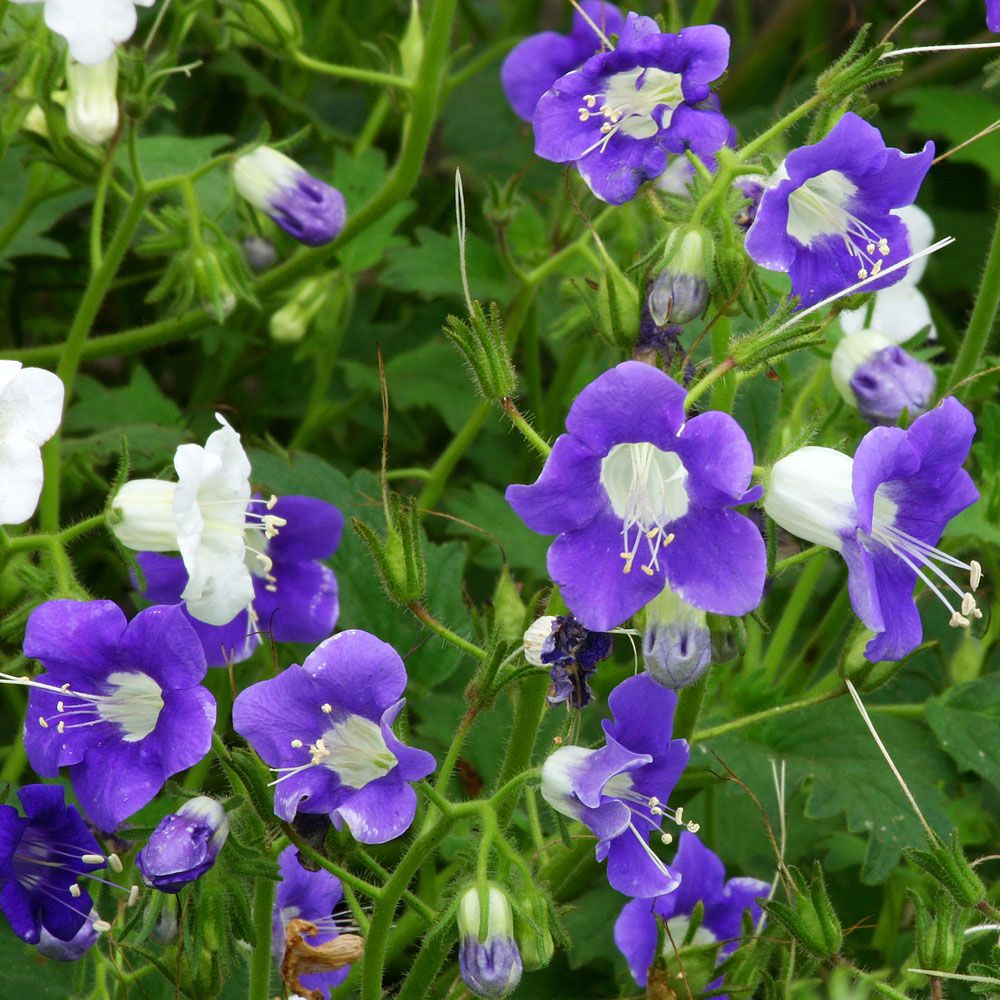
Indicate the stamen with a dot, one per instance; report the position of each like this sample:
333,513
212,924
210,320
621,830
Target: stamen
93,859
133,896
975,575
296,744
115,863
101,926
327,708
75,890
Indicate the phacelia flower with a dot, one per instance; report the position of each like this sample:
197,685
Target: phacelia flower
305,207
679,293
92,27
703,880
205,517
77,946
44,855
31,402
880,378
295,596
826,217
620,790
314,897
184,845
120,703
534,65
326,728
571,651
92,101
884,512
490,965
640,498
620,114
676,642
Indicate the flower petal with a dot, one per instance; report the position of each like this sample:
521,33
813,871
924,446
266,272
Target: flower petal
379,812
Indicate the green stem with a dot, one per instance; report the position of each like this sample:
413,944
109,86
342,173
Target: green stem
528,713
800,557
527,431
769,713
983,317
724,390
97,215
779,127
689,703
446,633
795,608
260,958
372,76
445,465
708,380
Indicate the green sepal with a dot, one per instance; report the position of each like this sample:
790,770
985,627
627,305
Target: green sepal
947,863
480,341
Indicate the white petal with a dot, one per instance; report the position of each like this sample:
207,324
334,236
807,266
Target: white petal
31,405
898,312
91,27
20,480
921,231
219,585
146,509
8,369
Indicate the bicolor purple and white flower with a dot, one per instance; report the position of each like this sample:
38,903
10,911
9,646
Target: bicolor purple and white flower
884,511
534,65
676,641
31,403
679,292
490,966
307,208
184,845
827,216
295,596
571,652
703,880
620,790
326,728
620,114
120,704
314,897
640,498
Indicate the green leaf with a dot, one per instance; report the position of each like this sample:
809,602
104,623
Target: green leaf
966,721
166,155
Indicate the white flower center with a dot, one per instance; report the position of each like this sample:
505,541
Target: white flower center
356,750
629,100
134,704
646,487
678,928
818,207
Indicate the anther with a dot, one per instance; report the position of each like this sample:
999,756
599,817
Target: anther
327,707
115,863
975,574
679,816
42,722
654,801
557,740
692,826
656,810
272,502
101,926
958,620
968,604
60,706
648,570
666,839
133,896
93,859
296,744
61,727
75,890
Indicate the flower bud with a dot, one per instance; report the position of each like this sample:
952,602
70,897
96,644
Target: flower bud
940,936
880,378
75,948
537,638
215,293
291,322
271,23
259,254
676,643
533,935
480,341
411,44
307,208
184,845
489,959
679,293
947,863
142,516
92,103
809,916
399,558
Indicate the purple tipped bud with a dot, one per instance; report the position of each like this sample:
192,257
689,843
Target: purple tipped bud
305,207
76,947
676,644
184,845
490,964
679,293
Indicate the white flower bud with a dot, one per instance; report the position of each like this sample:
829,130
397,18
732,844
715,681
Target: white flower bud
143,516
92,104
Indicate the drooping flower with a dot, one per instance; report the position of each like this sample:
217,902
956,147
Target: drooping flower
92,100
827,216
313,897
703,880
490,965
326,728
534,65
307,208
620,790
205,517
120,703
295,595
44,855
571,651
884,512
92,27
31,402
184,845
641,498
679,292
676,642
620,114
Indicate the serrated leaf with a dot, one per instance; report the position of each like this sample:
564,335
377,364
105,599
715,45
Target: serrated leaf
966,721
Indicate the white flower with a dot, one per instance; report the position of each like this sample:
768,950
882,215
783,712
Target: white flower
31,402
92,105
204,517
92,27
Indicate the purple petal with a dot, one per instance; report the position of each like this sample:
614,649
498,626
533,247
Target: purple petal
314,790
702,130
632,870
767,240
160,642
636,937
724,917
702,875
600,766
852,147
303,607
379,812
313,530
412,763
898,180
114,781
535,64
615,170
718,457
184,729
643,715
16,905
893,581
75,639
705,53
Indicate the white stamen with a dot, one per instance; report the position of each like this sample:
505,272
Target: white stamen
975,575
133,896
75,890
101,926
93,859
115,863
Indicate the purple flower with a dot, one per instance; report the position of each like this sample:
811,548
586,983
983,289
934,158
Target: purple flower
326,728
535,64
622,111
702,881
490,966
295,595
993,15
826,216
184,845
310,896
43,856
884,511
619,791
572,652
120,703
640,498
77,946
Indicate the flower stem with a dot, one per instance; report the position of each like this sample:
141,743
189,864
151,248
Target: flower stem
372,76
769,713
443,467
523,734
260,959
689,703
779,127
446,633
527,431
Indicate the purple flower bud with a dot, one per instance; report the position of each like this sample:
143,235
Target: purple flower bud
676,645
184,845
305,207
679,293
259,254
490,966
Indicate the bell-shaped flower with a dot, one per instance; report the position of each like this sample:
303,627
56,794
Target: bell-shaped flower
703,880
31,402
620,790
305,207
205,517
490,962
884,511
120,703
534,65
620,114
640,497
676,642
326,728
92,27
880,378
571,652
184,845
295,596
92,100
827,215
